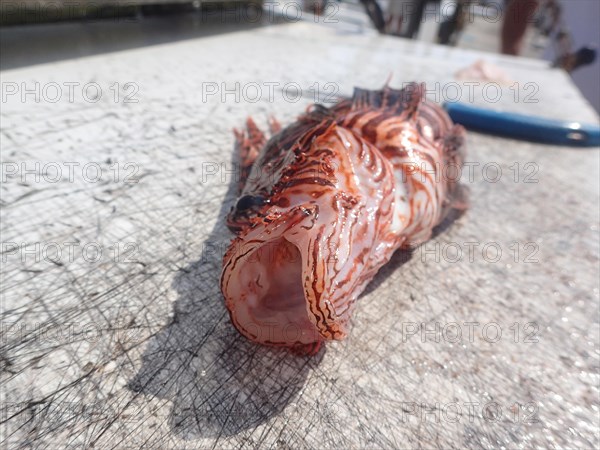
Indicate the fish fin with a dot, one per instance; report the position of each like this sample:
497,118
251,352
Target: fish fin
317,113
454,146
460,199
454,154
457,201
312,132
274,125
399,101
248,144
306,349
389,79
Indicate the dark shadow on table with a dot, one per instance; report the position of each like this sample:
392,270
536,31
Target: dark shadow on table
219,382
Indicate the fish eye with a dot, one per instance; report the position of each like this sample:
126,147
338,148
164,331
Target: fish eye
248,201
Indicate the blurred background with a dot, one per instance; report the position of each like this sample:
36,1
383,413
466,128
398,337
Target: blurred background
563,32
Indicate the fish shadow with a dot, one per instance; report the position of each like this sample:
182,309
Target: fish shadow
219,383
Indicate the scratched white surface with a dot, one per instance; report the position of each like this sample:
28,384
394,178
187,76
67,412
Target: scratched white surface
138,349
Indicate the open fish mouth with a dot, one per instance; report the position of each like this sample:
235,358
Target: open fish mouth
273,307
264,282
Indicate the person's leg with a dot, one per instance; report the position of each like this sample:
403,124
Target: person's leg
397,16
416,19
517,16
375,14
449,13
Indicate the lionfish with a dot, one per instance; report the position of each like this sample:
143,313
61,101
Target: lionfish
325,202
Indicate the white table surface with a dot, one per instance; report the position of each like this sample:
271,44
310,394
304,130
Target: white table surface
138,349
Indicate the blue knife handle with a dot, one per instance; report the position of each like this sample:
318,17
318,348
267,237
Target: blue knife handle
520,126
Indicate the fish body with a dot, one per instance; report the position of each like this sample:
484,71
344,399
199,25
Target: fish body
325,203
